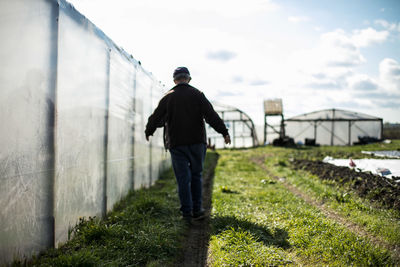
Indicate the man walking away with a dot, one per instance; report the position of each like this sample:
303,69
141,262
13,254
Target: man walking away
182,112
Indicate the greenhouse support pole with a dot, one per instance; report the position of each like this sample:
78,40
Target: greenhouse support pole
252,137
350,123
333,126
315,131
133,128
52,120
233,133
151,140
265,129
106,130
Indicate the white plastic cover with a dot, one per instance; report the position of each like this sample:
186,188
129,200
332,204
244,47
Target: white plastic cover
27,77
370,165
82,92
142,168
73,107
120,128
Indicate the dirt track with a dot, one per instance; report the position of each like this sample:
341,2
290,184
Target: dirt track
195,248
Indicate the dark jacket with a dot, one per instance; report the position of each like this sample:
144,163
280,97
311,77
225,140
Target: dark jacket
182,112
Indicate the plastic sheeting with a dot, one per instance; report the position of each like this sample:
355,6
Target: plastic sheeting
333,127
73,108
384,153
371,165
27,77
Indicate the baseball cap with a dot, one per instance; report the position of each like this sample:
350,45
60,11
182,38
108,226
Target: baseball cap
181,71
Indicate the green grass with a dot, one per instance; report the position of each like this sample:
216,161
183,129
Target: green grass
144,229
382,222
256,221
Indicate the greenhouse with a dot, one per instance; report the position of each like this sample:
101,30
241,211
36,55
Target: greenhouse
73,109
241,128
333,127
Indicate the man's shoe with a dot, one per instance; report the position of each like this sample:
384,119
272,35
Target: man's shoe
199,215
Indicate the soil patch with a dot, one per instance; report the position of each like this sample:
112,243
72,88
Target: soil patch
195,246
367,185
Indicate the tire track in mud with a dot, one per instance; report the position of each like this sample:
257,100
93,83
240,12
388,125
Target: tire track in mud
195,246
331,214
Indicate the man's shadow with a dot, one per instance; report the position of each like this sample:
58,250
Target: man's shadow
278,237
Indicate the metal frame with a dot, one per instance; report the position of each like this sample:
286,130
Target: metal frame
243,118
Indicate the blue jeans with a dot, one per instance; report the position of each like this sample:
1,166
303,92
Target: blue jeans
187,162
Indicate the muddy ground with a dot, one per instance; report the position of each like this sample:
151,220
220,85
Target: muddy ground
376,188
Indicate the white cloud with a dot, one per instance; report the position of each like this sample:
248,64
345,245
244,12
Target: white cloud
237,79
340,50
259,82
221,55
297,19
366,37
387,25
362,82
232,8
318,28
389,75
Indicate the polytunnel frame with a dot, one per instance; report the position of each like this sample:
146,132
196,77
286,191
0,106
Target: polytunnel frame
244,118
318,122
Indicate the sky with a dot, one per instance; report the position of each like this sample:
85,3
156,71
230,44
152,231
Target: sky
313,54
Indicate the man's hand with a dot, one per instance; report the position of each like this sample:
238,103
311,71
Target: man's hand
227,139
147,137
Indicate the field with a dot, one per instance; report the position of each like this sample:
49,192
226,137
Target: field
270,206
269,210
